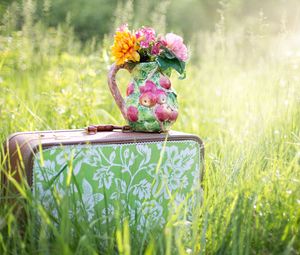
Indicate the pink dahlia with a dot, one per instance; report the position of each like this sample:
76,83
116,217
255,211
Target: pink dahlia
146,36
175,44
156,49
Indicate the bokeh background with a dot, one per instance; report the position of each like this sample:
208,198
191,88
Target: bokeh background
241,96
95,18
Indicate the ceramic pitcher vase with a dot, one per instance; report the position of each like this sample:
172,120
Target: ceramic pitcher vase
151,102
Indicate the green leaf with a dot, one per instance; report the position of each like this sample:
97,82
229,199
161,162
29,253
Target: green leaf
182,76
164,63
168,54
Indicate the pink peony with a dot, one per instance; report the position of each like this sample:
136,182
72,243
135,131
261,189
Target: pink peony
132,114
147,36
175,44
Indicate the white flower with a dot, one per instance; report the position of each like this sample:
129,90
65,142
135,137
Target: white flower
89,199
151,216
64,156
92,156
126,153
179,199
180,160
48,172
174,168
49,169
104,177
196,176
121,185
142,189
108,214
145,151
184,182
172,178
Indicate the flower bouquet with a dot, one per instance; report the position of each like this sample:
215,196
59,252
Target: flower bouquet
144,46
151,102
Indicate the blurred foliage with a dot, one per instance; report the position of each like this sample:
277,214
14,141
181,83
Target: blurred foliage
95,18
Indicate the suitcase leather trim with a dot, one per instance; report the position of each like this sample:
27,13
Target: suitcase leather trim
29,143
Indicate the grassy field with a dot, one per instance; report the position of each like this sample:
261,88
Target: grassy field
241,96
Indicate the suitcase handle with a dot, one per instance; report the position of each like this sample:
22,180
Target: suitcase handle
114,88
93,129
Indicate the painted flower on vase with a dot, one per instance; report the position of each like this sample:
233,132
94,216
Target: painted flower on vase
132,114
164,82
130,89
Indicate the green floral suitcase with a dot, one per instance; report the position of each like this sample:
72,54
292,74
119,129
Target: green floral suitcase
111,176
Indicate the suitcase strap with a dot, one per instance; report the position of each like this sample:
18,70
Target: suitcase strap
93,129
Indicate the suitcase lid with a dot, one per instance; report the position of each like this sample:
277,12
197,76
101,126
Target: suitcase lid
22,146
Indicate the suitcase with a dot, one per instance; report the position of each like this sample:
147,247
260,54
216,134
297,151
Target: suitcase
110,175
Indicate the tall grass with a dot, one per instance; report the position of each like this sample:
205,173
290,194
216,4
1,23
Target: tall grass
241,95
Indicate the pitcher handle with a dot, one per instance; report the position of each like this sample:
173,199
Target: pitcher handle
114,88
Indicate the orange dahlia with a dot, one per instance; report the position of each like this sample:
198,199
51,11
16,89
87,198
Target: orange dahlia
125,47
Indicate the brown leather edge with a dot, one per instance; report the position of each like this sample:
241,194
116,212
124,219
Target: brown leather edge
18,139
13,162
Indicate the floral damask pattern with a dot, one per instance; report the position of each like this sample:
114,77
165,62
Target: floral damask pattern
142,190
142,182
